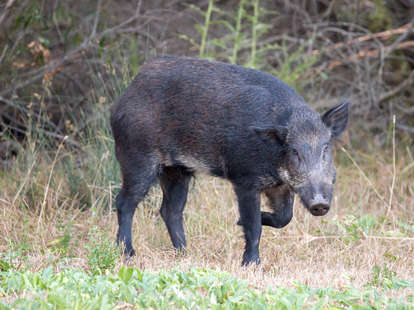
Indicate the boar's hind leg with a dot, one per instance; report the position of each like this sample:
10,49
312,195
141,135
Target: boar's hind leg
249,208
281,202
137,180
174,183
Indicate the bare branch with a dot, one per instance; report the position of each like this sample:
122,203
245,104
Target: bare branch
54,64
355,57
6,9
96,21
138,8
406,128
3,53
400,39
66,139
407,82
55,21
406,29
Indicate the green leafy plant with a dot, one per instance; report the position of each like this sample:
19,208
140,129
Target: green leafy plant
385,277
354,227
61,244
103,252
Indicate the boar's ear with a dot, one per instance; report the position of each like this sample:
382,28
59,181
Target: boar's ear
336,119
271,135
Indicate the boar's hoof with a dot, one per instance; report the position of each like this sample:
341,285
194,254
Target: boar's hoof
129,253
249,260
319,209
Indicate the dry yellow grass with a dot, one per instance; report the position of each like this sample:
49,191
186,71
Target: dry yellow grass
310,250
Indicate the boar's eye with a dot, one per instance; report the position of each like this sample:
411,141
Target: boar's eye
295,154
325,149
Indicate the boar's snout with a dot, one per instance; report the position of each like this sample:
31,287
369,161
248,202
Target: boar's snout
317,202
319,205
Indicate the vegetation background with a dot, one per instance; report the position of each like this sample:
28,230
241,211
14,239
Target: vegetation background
62,64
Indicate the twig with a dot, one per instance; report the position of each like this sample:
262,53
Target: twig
54,64
47,68
48,133
5,201
382,35
6,9
405,128
353,58
3,53
407,82
405,110
96,21
55,21
128,21
25,110
138,8
141,32
399,42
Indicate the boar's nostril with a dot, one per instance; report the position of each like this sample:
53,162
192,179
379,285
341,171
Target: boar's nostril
319,209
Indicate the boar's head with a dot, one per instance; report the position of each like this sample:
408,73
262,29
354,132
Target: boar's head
302,152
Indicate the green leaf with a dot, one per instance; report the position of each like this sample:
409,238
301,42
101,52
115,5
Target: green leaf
125,274
4,266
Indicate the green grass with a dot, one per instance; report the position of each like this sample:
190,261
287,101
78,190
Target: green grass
73,288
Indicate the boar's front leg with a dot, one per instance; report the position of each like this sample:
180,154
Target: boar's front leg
250,219
281,202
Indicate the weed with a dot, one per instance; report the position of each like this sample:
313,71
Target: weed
102,252
61,244
356,228
384,277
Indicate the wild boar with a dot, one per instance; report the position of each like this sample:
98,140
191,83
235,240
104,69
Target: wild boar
184,115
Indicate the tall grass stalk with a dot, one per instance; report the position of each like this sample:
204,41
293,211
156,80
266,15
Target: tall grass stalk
364,175
255,21
46,191
238,34
204,32
23,184
394,172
